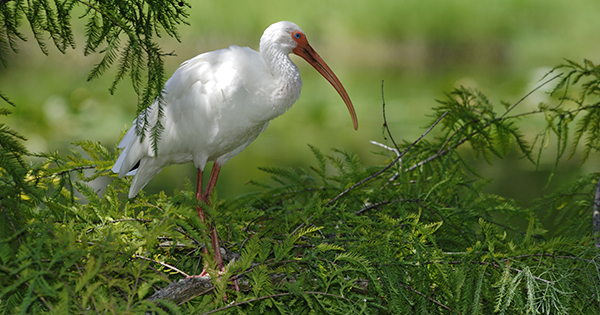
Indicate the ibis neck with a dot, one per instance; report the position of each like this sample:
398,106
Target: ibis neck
287,81
280,64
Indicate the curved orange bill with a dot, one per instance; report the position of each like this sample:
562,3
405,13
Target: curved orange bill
310,55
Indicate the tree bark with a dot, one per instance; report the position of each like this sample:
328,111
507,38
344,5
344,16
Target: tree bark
183,290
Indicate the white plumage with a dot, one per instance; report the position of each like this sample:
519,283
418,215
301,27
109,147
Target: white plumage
218,102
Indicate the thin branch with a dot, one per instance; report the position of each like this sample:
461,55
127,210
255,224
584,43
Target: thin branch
162,264
538,111
396,149
393,178
389,165
528,94
446,151
385,120
78,168
386,147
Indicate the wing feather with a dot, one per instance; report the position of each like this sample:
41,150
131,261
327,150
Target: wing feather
207,115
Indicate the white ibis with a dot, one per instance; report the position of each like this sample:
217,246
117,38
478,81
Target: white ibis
216,104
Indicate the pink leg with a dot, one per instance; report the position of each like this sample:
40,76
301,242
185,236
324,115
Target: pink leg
199,196
204,196
212,182
214,237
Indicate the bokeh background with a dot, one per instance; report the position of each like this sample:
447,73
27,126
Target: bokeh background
419,48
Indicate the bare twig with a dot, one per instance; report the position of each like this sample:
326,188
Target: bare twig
389,165
393,178
386,147
396,149
162,264
385,119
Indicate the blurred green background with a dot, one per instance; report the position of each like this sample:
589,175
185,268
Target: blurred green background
420,48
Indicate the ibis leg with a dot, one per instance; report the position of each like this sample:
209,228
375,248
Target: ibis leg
200,194
212,181
204,196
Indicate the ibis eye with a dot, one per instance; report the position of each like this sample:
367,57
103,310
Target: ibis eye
297,35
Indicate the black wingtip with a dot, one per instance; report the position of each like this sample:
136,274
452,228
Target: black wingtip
135,167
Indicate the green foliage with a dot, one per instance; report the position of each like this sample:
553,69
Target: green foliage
14,186
123,32
421,239
417,238
587,77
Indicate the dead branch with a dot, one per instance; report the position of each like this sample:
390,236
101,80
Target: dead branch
389,165
184,290
385,124
162,264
